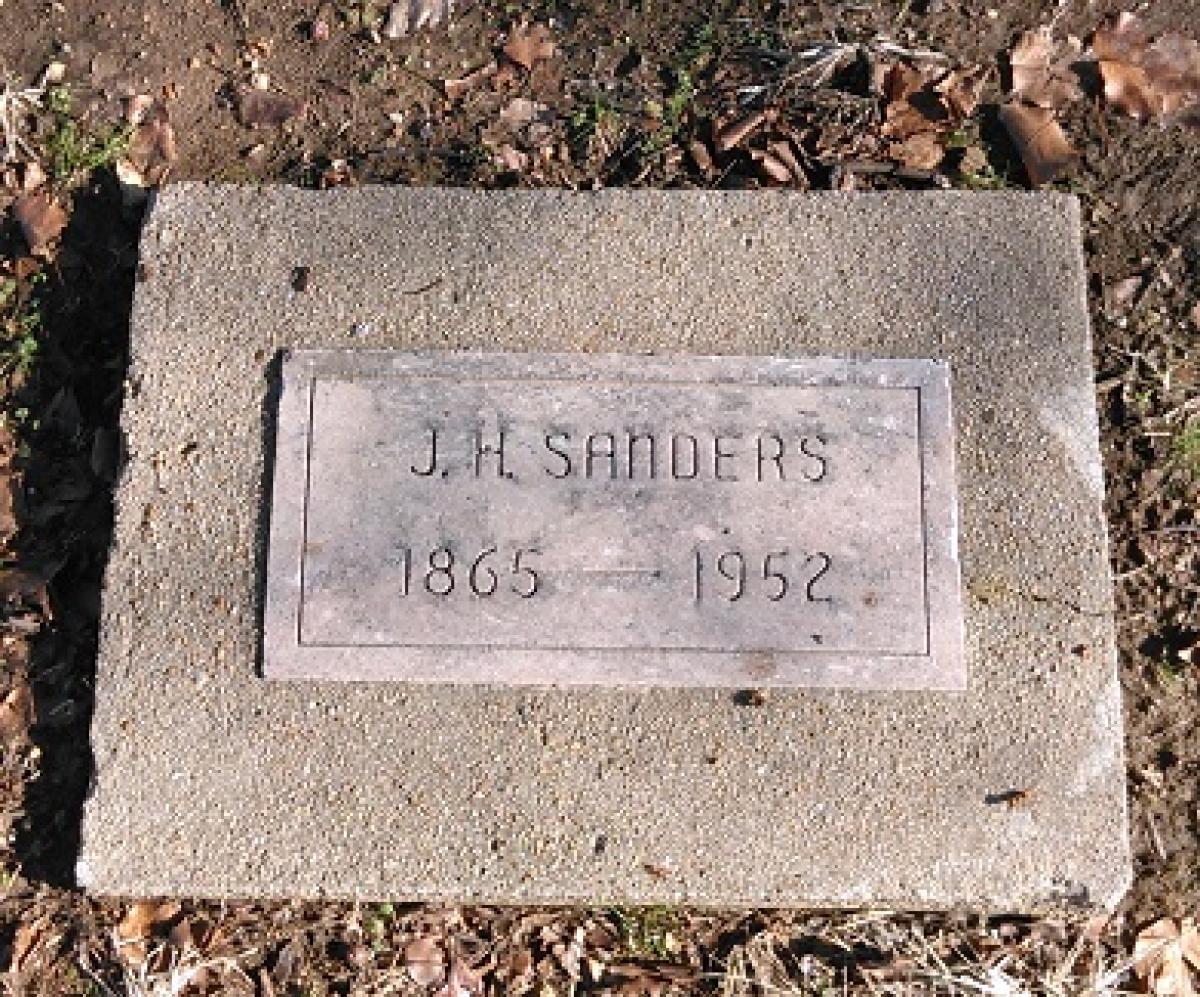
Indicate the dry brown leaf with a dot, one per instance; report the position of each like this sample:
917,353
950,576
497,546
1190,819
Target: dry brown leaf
570,955
974,160
8,508
141,921
1040,140
1161,954
151,150
186,935
922,151
8,496
1030,58
913,107
1128,89
902,120
901,80
782,150
425,961
262,108
22,587
650,978
701,157
505,74
916,109
1189,941
509,158
42,220
457,89
529,44
518,974
1120,39
1148,79
16,713
1172,64
1196,315
900,969
1040,75
961,90
144,916
31,941
737,131
771,167
1120,294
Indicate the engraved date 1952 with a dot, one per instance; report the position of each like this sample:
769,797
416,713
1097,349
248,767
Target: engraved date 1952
775,575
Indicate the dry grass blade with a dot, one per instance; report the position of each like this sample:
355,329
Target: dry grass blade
407,16
174,973
882,953
819,64
17,106
756,968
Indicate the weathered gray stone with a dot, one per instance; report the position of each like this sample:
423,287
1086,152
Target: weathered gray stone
213,780
615,520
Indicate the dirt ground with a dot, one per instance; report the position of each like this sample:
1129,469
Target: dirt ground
641,93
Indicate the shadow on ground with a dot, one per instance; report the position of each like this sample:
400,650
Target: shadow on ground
74,394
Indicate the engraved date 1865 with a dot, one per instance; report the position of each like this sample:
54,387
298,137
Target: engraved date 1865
486,574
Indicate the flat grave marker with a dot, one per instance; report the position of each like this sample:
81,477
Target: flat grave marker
300,694
698,521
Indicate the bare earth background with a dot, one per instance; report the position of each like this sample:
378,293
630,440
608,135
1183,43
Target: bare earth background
806,95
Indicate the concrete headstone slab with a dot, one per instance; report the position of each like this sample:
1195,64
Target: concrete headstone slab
214,778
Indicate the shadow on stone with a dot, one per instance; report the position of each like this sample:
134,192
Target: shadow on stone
270,418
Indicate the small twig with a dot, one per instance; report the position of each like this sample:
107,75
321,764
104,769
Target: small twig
867,167
1155,836
916,54
424,287
14,105
821,62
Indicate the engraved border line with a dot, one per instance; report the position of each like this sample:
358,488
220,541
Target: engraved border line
697,649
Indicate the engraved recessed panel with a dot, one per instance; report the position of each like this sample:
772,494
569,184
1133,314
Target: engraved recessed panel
614,521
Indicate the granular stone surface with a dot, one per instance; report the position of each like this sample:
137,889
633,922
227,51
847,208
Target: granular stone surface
212,780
